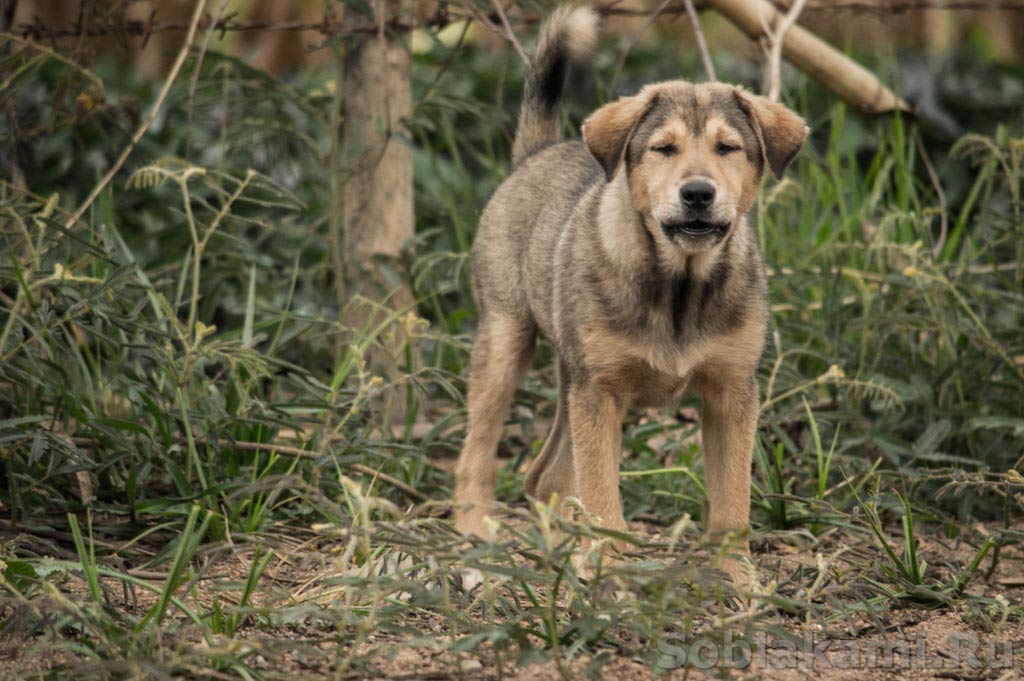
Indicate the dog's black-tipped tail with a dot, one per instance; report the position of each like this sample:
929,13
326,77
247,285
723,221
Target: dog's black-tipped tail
567,38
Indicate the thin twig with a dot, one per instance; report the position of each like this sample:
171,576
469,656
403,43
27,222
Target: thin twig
972,269
195,78
509,32
17,176
452,53
778,37
144,127
702,45
394,482
633,41
939,193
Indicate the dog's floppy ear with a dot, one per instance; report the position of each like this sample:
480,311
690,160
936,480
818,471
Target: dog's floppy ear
607,131
780,131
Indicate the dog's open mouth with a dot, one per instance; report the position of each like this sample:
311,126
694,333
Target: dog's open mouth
694,228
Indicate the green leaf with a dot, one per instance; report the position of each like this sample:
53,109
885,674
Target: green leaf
932,437
250,309
1014,423
18,573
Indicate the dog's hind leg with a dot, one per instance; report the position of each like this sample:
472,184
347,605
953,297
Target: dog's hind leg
501,355
552,471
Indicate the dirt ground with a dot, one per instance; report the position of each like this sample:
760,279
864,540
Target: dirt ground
964,639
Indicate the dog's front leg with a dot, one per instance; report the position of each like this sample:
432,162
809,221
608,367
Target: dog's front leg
730,408
595,421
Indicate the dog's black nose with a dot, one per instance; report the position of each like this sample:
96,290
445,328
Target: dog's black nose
697,194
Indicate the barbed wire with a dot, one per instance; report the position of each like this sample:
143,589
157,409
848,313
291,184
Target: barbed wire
903,6
331,26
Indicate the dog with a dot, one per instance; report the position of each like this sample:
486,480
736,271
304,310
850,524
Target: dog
632,253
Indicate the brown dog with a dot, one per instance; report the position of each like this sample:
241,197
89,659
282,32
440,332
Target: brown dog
632,253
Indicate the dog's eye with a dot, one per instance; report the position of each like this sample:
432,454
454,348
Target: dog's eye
665,149
724,149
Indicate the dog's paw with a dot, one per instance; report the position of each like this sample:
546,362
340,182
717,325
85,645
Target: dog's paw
598,556
474,521
742,573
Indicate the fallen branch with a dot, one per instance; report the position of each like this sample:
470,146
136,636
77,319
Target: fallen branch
831,68
815,270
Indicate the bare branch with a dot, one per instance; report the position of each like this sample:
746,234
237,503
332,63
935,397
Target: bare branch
777,37
822,62
634,40
195,78
940,194
509,33
702,45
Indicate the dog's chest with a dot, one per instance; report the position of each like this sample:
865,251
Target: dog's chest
663,377
670,313
649,370
645,336
677,310
652,351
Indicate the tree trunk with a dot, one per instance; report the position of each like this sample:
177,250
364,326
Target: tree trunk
378,198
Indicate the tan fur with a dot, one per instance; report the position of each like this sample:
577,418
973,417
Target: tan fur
782,132
648,291
500,358
607,130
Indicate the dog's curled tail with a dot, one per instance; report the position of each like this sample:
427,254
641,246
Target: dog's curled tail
567,38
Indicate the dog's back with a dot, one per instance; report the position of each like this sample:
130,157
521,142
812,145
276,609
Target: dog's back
520,227
522,222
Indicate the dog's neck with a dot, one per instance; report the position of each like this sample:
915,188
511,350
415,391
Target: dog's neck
629,245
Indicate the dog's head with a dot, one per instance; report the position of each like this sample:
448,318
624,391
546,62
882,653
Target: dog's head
693,155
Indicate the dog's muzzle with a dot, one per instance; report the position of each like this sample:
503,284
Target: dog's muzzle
695,229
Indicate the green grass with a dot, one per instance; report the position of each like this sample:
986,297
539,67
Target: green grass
204,474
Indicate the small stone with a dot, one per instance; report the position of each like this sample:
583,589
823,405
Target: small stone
470,665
